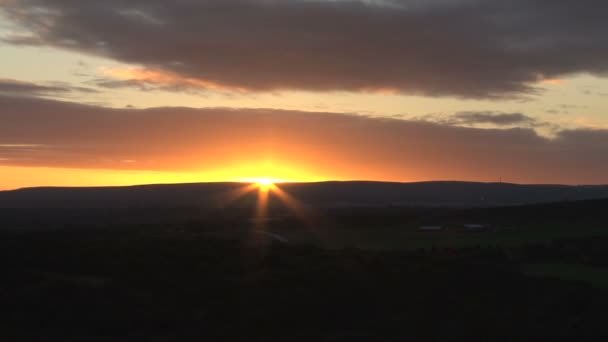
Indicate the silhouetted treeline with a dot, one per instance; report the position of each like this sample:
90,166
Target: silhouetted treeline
574,213
127,284
318,195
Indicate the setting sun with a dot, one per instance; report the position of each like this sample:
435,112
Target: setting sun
265,183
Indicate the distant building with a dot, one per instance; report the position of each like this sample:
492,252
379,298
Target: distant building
476,227
430,228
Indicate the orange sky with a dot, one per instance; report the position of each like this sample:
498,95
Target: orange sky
120,93
47,142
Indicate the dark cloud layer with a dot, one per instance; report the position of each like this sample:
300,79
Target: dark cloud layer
20,88
498,119
473,118
37,132
10,86
464,48
147,85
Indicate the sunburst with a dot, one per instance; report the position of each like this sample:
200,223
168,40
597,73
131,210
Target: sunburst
266,187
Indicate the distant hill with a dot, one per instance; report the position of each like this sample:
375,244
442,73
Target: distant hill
324,194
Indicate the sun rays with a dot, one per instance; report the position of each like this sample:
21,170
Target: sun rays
267,189
265,182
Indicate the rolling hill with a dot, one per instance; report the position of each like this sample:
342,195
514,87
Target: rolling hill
324,194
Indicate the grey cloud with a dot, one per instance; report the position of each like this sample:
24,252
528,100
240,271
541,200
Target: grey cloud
38,132
19,87
473,118
565,109
14,87
498,119
570,106
117,84
462,48
144,85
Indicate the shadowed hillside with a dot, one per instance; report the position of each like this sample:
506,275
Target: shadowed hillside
326,194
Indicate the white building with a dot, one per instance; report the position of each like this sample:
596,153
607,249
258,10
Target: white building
430,228
475,226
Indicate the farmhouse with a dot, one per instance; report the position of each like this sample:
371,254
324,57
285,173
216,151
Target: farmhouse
430,228
476,227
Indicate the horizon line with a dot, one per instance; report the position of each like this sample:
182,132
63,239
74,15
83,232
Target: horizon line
292,182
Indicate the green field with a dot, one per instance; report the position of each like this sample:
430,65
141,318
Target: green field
597,277
408,238
395,238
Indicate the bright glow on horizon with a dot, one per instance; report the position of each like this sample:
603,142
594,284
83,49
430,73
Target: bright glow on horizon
265,183
266,188
263,180
15,177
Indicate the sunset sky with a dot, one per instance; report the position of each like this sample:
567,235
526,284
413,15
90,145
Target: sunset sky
119,92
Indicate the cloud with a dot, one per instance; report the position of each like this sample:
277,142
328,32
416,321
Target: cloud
18,87
498,119
493,119
14,87
554,82
461,48
148,79
483,118
39,132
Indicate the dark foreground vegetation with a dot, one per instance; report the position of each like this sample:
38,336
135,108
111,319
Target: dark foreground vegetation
537,273
142,284
319,195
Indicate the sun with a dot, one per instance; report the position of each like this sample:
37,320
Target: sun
264,183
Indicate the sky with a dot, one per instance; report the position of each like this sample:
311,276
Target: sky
121,92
